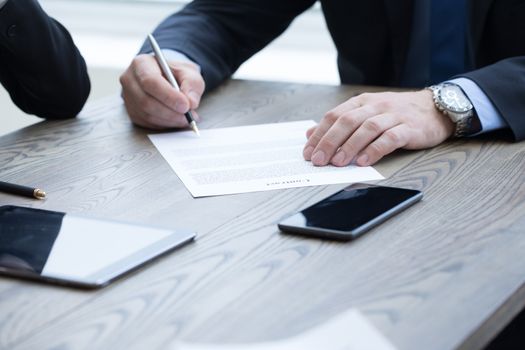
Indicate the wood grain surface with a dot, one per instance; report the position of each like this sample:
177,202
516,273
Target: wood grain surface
447,273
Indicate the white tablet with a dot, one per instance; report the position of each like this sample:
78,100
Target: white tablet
73,250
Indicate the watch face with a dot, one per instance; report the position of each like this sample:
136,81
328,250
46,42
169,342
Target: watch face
453,99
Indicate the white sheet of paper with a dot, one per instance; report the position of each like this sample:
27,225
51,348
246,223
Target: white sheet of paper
347,331
249,158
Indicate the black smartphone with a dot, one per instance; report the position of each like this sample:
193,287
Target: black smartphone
350,212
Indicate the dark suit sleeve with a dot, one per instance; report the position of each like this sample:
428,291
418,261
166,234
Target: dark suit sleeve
220,35
504,84
40,66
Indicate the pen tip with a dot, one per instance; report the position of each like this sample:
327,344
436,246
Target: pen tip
194,128
39,194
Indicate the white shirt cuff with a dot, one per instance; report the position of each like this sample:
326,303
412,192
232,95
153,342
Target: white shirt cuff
489,117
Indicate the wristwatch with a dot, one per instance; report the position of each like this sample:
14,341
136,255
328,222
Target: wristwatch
450,100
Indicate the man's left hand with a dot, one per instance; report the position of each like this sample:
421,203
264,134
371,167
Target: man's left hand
369,126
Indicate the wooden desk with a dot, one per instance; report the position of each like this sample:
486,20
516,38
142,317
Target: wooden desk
447,273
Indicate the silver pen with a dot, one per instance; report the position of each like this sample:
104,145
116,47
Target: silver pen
167,73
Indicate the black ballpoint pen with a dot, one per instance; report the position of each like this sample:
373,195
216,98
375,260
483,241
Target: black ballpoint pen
22,190
167,72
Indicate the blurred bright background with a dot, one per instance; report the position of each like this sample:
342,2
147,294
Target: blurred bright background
109,33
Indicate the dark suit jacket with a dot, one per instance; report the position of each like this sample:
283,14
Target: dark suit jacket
40,66
371,37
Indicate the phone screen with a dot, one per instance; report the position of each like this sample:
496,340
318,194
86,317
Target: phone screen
351,211
55,245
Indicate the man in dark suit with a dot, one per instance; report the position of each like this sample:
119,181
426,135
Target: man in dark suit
478,46
40,66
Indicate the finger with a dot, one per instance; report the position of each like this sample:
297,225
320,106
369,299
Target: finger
155,123
389,141
343,127
146,111
310,131
150,79
148,122
191,83
365,134
132,94
314,136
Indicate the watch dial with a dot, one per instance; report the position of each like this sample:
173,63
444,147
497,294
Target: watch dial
454,99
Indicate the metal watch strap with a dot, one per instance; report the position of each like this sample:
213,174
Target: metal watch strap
463,126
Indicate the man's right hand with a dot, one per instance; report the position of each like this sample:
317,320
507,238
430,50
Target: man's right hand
151,101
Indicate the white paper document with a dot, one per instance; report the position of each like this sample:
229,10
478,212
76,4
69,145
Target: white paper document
348,331
249,158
